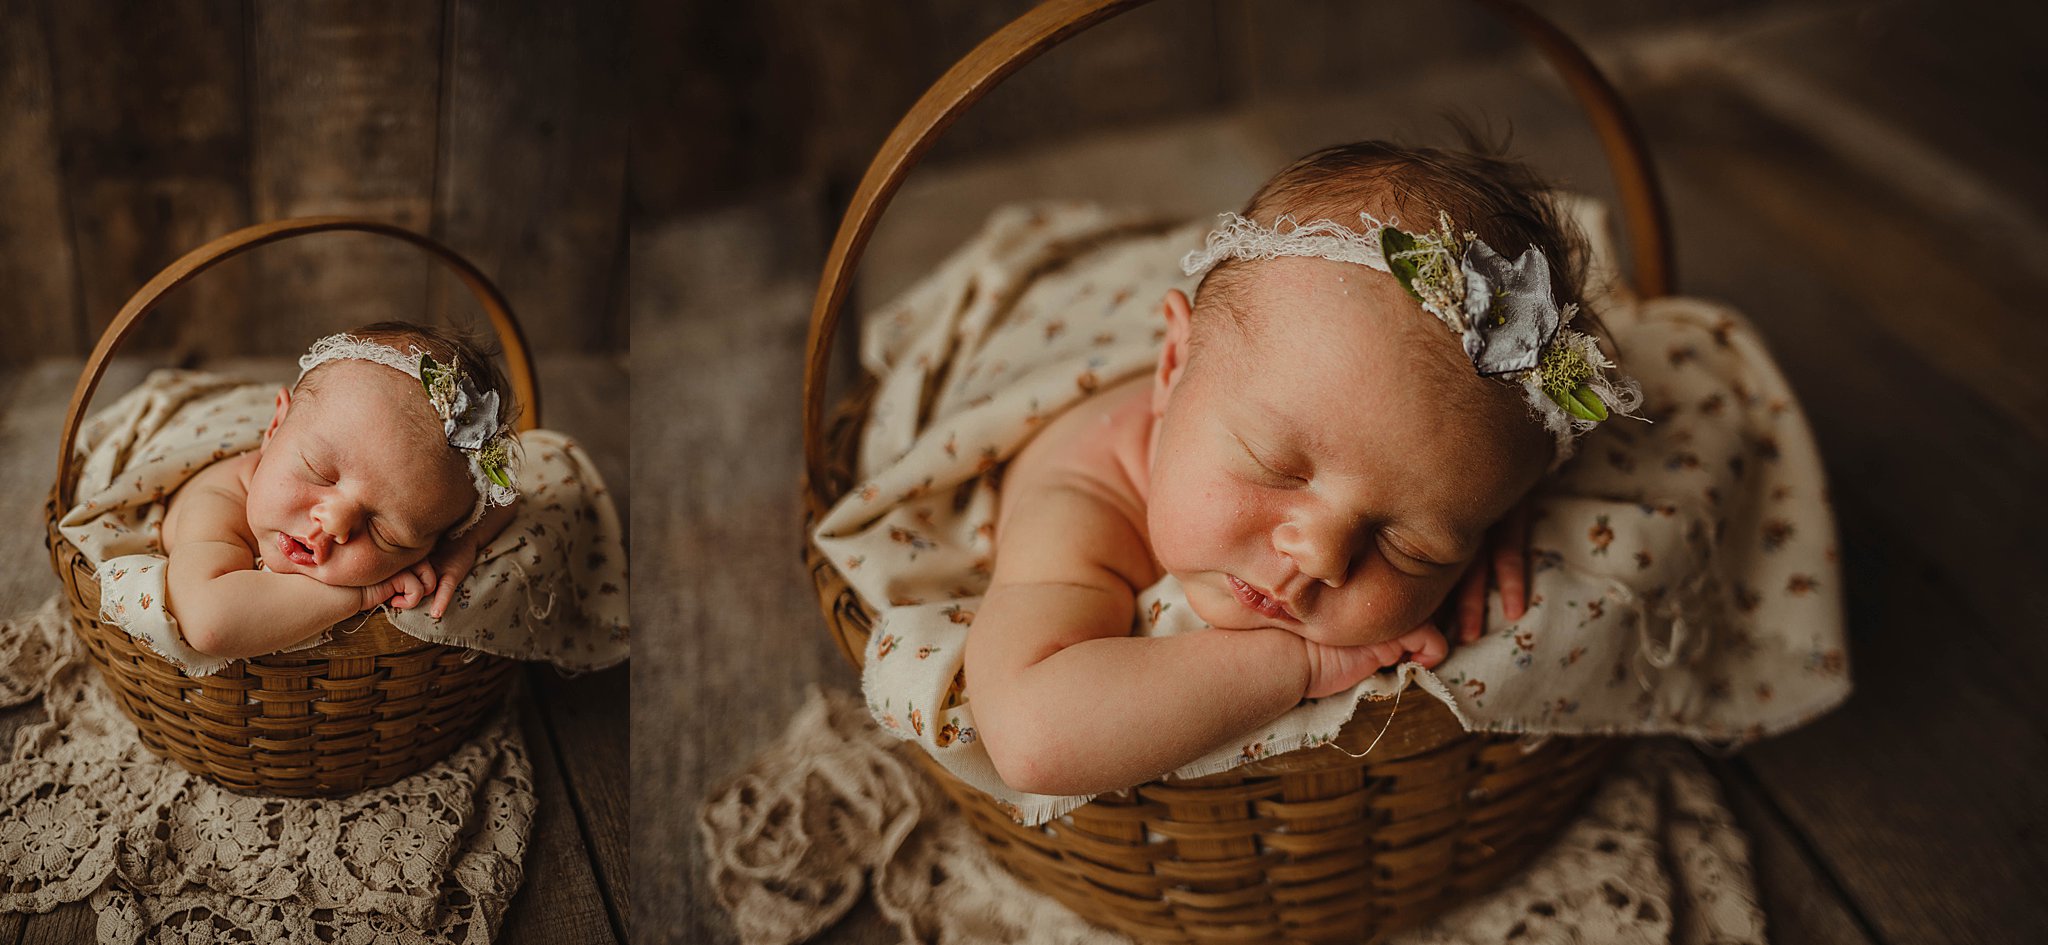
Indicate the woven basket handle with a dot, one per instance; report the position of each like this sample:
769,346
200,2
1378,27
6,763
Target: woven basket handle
1052,22
247,238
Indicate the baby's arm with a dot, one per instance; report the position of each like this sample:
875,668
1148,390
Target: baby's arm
224,606
1065,700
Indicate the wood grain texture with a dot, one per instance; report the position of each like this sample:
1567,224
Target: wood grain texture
132,131
590,713
532,184
151,109
40,311
73,924
575,729
731,635
345,101
1801,901
559,900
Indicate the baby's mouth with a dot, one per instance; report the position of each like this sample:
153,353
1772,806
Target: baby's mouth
1260,601
296,551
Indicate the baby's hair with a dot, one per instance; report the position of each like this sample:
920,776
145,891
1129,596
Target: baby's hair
446,347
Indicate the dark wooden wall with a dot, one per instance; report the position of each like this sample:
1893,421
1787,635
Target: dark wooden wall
737,100
132,131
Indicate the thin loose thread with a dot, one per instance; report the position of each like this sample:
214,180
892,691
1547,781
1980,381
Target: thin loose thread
1396,710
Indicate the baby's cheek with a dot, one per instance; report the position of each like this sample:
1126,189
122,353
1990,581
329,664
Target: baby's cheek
1387,606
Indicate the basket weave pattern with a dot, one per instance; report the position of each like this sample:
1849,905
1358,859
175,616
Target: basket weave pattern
336,718
362,712
367,708
1308,846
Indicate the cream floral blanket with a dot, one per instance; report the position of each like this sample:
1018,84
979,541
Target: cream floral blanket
1685,577
551,587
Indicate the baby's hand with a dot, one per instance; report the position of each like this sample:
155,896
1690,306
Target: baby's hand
1504,559
404,590
1333,669
456,556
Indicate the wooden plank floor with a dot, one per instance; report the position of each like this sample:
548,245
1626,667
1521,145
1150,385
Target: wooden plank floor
576,887
1820,181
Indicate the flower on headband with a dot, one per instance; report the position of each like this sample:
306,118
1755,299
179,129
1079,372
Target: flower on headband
469,418
1505,311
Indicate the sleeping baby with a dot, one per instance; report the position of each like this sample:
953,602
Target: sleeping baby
1335,426
384,471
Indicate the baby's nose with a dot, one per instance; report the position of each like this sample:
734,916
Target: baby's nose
1323,551
335,523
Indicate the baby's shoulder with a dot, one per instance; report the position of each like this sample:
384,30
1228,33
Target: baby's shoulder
1074,490
224,477
1092,441
212,505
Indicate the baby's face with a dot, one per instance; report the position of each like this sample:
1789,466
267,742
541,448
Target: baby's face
1305,475
348,488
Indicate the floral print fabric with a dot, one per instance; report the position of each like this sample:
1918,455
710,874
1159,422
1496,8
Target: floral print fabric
551,587
1684,575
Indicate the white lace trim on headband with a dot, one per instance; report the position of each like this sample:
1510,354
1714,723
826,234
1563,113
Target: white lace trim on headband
1238,238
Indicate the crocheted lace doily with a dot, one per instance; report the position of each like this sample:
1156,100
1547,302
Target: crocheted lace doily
834,810
86,812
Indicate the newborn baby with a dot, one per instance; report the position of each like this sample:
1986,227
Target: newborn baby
385,469
1317,458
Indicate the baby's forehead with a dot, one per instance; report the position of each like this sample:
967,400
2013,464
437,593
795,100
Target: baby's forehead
1340,304
359,398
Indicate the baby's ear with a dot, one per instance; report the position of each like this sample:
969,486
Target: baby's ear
284,406
1173,354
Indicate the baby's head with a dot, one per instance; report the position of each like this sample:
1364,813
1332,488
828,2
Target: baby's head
357,478
1326,457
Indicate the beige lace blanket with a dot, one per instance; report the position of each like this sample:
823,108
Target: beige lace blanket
833,811
1684,578
163,855
551,587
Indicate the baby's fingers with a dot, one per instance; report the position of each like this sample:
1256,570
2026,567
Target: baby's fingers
1425,645
1511,562
443,596
428,579
1472,603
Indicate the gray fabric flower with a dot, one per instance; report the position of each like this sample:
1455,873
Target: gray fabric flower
1509,312
474,416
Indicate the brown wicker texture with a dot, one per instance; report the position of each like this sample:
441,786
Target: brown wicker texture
364,710
1308,846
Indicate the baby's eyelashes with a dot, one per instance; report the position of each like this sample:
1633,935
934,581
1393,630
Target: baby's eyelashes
1272,470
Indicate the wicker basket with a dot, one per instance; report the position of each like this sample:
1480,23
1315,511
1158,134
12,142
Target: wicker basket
369,708
1308,846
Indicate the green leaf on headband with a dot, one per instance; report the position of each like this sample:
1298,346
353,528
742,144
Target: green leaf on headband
1583,404
496,473
429,369
1392,243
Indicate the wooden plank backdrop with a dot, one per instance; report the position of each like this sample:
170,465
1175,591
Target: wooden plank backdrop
132,131
1856,180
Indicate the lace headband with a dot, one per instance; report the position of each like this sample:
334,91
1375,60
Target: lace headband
469,417
1504,312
